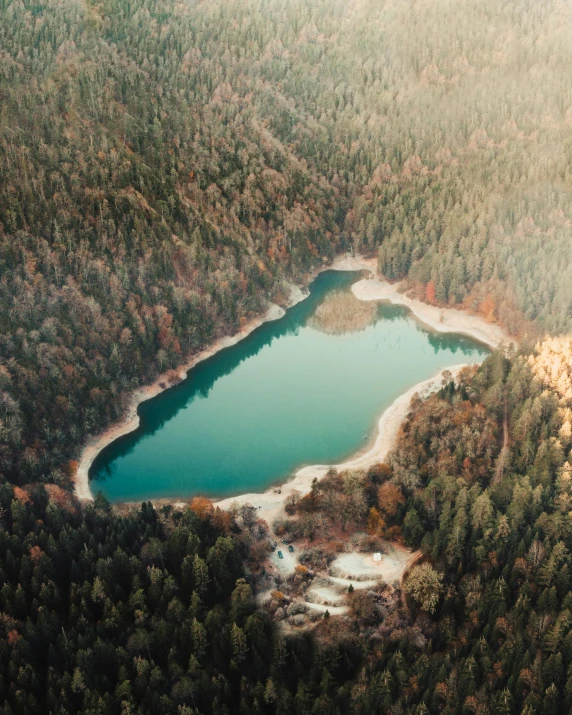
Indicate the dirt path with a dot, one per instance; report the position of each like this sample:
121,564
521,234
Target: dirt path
332,610
325,595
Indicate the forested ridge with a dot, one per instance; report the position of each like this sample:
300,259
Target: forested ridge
165,166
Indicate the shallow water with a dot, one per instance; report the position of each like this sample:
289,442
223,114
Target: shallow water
306,389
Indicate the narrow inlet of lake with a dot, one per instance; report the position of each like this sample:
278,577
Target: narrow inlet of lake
306,389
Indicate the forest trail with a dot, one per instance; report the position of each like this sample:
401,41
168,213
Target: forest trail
504,453
505,440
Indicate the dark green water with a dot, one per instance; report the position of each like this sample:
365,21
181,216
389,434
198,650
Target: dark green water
306,389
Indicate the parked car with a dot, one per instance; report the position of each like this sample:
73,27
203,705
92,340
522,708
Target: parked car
291,549
280,555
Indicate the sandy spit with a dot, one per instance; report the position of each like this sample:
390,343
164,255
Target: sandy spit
130,421
444,320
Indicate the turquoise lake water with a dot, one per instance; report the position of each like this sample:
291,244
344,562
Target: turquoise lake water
306,389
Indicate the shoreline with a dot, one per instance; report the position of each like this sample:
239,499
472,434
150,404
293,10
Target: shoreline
130,422
270,503
444,320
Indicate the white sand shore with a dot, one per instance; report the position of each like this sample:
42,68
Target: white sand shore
131,420
445,320
271,503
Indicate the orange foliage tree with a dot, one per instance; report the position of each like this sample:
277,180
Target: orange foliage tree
202,507
375,524
430,292
389,497
487,307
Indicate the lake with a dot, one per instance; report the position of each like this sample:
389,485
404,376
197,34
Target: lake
306,389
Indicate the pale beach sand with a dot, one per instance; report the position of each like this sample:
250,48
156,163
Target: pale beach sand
445,320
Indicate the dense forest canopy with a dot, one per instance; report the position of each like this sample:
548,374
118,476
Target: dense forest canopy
165,166
141,613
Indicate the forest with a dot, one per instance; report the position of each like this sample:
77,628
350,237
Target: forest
167,169
146,612
492,518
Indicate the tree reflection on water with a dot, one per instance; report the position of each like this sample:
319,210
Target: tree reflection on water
341,312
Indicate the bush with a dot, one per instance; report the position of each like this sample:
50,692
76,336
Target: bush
316,558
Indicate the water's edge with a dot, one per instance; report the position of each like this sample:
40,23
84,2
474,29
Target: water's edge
270,503
464,323
131,421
